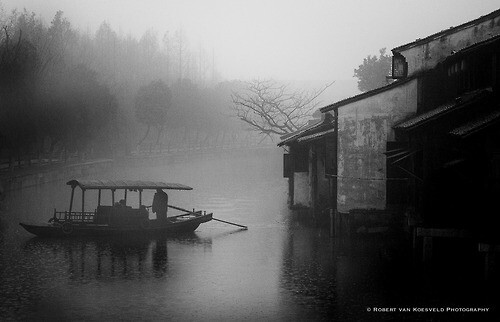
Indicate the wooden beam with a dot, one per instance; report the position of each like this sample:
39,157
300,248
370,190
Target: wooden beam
427,249
491,248
443,232
83,203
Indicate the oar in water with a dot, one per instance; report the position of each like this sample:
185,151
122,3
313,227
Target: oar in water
193,213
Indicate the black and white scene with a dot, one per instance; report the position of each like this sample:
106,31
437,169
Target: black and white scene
249,160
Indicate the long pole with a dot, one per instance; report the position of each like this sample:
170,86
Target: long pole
231,223
193,213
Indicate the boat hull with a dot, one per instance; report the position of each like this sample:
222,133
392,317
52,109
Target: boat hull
155,228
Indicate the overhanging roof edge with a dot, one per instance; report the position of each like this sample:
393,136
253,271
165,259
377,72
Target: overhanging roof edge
126,184
364,95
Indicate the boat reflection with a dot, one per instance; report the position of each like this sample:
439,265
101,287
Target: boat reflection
108,259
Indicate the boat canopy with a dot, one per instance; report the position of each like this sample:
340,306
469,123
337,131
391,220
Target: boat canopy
126,184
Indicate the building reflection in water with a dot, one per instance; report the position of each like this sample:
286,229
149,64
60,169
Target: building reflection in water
332,278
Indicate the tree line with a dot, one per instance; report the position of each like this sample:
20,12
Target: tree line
67,92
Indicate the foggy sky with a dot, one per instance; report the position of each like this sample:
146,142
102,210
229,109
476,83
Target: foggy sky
285,40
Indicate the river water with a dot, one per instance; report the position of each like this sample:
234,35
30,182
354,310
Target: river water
277,270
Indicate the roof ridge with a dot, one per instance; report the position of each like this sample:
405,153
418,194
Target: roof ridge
446,31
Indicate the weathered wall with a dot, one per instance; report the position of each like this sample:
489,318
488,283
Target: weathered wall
301,189
428,55
365,126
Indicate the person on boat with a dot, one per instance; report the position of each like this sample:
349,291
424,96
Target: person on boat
120,203
160,202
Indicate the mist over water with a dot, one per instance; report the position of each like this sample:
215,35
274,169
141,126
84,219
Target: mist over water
218,272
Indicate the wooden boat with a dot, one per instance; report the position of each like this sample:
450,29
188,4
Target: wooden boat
117,219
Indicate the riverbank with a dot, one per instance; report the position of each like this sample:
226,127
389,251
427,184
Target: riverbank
34,176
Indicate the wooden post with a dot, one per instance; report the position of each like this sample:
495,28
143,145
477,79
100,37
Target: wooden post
427,249
347,225
494,64
125,196
71,200
11,163
336,225
489,260
414,237
490,255
83,204
99,198
313,179
415,256
112,197
140,197
332,227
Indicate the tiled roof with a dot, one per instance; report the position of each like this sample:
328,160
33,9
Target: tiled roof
425,116
477,124
322,125
474,46
443,109
126,184
291,137
315,136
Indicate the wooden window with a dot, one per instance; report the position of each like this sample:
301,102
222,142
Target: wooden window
301,158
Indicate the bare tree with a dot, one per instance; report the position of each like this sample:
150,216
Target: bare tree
271,108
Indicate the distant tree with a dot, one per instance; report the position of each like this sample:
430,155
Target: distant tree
271,109
61,36
18,60
180,46
151,104
78,113
372,73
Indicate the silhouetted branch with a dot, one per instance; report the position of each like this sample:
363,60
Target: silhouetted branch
270,108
